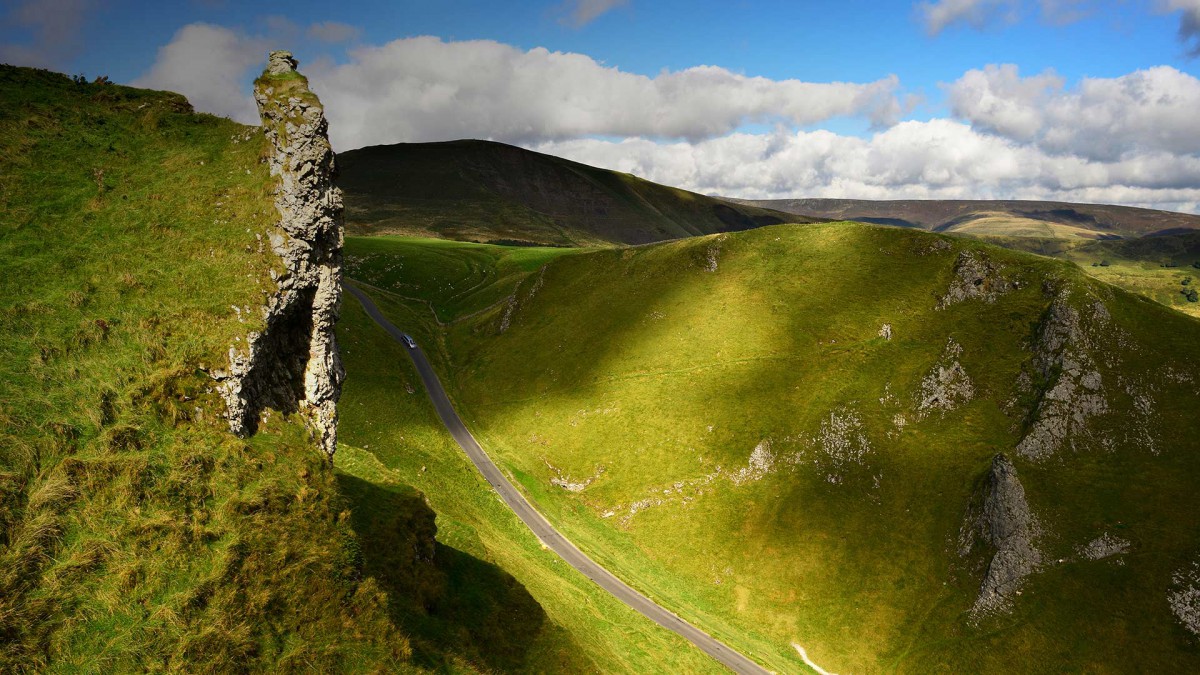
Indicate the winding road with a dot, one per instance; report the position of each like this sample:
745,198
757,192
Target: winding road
540,526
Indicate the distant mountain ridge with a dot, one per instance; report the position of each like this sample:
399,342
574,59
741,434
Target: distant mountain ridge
994,217
492,192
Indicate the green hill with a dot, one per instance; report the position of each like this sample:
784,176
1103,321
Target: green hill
790,436
994,217
486,191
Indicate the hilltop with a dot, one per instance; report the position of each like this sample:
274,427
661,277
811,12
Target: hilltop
993,217
492,192
898,450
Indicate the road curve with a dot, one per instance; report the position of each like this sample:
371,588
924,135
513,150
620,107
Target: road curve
540,526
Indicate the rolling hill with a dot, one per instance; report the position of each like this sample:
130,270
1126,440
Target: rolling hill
1060,220
492,192
897,450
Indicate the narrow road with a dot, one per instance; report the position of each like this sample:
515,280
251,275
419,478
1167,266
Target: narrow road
540,526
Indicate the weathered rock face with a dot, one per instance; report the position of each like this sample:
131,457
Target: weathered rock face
293,364
1075,393
1184,597
975,278
946,386
1007,526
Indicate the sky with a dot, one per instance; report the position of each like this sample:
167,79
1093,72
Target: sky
1073,100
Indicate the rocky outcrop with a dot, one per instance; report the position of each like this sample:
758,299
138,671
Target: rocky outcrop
1184,597
1006,526
947,385
292,365
975,278
1104,546
522,295
1074,392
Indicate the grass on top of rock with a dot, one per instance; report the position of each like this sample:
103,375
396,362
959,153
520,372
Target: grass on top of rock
723,422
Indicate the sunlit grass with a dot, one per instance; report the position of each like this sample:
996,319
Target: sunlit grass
642,371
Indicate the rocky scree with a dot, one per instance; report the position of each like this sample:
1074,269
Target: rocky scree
293,364
1007,526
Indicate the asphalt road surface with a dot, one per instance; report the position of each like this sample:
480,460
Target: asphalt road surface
540,526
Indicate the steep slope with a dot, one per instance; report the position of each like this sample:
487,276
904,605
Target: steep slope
168,388
895,450
486,191
994,217
136,532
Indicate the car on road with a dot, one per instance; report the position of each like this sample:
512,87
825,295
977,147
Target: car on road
409,341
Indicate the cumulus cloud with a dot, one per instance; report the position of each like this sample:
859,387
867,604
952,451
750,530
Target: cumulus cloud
208,64
1152,110
579,13
421,89
975,13
53,29
938,159
333,32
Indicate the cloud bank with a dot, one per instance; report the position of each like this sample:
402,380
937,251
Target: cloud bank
1133,139
421,89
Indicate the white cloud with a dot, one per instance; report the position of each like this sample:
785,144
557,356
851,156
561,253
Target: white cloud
1100,118
333,32
422,89
582,12
1134,139
208,64
940,14
53,27
939,159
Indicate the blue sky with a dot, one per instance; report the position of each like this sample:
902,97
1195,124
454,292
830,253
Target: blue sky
999,81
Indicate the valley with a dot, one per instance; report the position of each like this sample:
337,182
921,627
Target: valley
766,462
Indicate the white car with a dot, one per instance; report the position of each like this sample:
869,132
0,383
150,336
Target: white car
409,341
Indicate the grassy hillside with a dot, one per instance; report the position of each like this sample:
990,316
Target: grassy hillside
993,217
550,619
136,533
746,445
1145,251
486,191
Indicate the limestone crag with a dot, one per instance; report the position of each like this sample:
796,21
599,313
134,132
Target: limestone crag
975,278
1007,526
293,363
1075,393
946,386
1184,597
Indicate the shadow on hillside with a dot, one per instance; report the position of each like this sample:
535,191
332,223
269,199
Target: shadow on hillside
451,604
